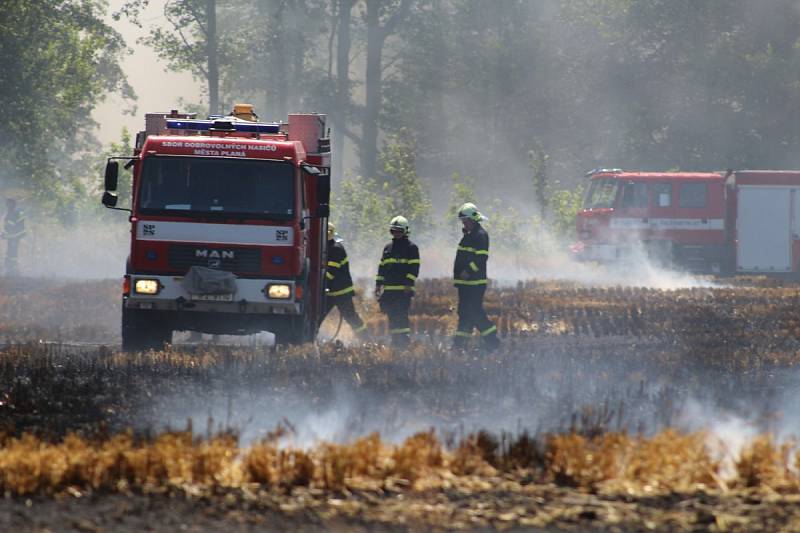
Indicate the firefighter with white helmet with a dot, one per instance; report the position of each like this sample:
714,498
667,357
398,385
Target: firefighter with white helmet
469,277
394,284
339,289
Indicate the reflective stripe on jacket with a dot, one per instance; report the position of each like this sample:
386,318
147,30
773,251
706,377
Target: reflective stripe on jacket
471,257
337,276
14,225
399,266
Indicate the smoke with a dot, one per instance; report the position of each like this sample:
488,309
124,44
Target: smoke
86,251
548,385
547,258
344,415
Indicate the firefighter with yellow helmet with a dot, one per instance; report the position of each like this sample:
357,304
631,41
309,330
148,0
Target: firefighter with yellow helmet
469,277
339,290
394,284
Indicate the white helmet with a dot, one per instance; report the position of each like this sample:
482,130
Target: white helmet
470,211
331,230
399,223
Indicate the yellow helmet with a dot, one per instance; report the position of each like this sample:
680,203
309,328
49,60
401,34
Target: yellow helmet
399,223
470,211
331,230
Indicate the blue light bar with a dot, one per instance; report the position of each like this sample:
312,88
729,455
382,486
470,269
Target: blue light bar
257,127
206,125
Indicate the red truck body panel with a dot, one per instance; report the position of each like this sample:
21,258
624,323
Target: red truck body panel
745,221
261,246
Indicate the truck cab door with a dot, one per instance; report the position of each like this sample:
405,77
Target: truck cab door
633,212
662,208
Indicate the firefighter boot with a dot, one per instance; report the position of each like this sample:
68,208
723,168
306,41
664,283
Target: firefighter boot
490,342
401,339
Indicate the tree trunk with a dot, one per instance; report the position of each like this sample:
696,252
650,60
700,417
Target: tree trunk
211,52
298,55
281,71
372,83
342,92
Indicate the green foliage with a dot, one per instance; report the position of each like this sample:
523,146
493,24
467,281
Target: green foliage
537,160
511,232
361,212
58,60
362,207
558,206
565,204
462,190
408,198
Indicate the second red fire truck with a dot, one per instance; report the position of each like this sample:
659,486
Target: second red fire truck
734,222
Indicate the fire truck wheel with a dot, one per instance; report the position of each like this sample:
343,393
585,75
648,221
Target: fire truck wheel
141,331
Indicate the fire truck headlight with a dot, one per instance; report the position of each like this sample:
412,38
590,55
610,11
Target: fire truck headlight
146,286
279,292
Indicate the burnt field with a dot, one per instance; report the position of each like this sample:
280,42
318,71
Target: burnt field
607,407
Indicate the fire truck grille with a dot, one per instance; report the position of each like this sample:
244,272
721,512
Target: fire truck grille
229,259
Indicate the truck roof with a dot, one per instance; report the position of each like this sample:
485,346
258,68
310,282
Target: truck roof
236,147
658,175
768,177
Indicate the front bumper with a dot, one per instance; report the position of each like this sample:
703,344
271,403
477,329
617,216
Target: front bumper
249,298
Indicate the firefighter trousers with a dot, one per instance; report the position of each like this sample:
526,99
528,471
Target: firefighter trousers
344,304
472,316
396,305
12,251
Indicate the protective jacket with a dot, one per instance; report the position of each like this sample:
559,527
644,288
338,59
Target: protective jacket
471,257
399,266
339,281
14,225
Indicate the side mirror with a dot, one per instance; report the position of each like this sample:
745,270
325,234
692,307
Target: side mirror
324,189
109,199
323,195
112,172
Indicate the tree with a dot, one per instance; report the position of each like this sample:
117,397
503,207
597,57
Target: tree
339,115
382,18
398,159
538,164
361,212
192,43
58,60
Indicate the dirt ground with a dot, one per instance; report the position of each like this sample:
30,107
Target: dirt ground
506,506
574,359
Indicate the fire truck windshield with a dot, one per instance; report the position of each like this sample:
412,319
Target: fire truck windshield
602,194
203,186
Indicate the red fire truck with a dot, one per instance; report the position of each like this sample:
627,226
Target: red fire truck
734,222
228,223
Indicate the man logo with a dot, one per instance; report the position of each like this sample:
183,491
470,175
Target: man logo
214,254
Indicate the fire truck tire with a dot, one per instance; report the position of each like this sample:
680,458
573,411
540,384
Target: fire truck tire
142,332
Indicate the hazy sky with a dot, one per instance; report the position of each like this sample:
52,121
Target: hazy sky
157,89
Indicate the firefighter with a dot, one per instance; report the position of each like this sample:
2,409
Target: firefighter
339,289
469,277
13,233
394,284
